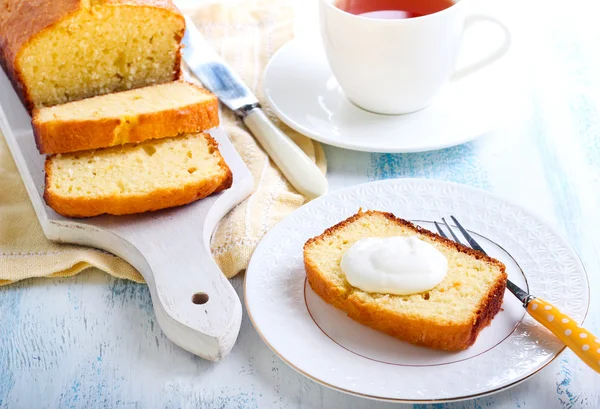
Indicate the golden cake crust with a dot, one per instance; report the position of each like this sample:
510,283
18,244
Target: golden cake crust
58,136
154,199
429,333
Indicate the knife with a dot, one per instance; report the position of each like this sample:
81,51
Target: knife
302,173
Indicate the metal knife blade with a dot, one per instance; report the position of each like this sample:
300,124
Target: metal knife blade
214,72
219,78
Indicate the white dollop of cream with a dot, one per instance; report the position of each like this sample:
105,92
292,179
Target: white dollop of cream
394,265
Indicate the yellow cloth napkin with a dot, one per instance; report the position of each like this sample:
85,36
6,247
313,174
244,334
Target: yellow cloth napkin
246,34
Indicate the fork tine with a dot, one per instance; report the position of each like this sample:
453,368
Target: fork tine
456,239
467,236
439,229
522,295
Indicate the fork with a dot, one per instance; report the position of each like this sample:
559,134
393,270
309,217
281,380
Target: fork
582,342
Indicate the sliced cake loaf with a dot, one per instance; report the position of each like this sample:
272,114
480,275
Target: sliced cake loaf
152,112
135,178
448,317
56,51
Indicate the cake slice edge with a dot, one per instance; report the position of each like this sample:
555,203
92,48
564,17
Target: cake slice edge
156,199
65,136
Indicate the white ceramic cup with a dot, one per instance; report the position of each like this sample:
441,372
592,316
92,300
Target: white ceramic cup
397,66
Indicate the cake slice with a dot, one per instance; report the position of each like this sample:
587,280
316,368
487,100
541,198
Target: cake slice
447,317
135,178
157,111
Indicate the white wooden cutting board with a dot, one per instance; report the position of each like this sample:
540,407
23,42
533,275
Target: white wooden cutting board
170,248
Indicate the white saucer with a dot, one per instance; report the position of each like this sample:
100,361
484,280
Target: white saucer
303,93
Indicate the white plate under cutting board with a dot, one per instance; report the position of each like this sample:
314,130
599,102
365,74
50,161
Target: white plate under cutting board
322,343
170,248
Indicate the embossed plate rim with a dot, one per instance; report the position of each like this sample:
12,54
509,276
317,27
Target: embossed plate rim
413,199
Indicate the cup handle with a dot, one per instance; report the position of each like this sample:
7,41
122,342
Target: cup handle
491,57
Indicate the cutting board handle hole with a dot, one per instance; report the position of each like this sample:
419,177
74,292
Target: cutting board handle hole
200,298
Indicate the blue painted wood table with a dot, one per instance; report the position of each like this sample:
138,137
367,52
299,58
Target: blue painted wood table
92,341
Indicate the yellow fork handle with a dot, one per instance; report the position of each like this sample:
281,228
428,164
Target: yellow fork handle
582,342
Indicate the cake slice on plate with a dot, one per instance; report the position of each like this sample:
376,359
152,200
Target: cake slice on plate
449,316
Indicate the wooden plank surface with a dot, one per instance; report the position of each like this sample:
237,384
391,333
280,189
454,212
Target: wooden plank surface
92,341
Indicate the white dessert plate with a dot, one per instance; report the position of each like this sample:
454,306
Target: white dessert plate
304,94
322,343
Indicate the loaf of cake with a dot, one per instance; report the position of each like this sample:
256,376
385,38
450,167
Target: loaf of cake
447,317
135,178
56,51
157,111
